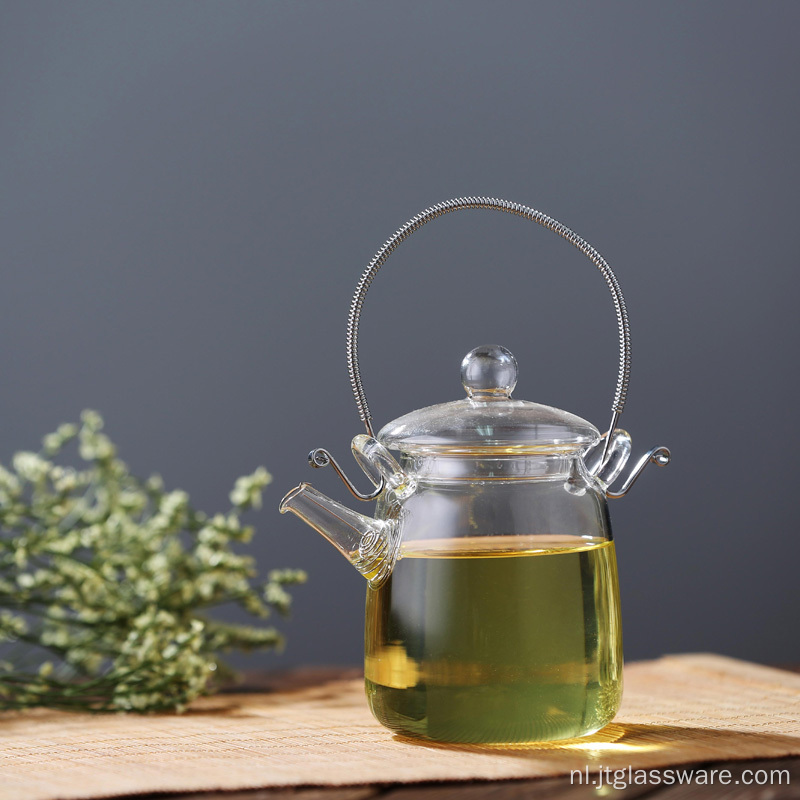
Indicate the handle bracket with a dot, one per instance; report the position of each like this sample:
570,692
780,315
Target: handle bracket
320,457
660,456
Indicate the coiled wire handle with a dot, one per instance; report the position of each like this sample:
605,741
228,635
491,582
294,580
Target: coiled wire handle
458,204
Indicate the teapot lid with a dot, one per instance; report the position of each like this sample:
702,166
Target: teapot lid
488,420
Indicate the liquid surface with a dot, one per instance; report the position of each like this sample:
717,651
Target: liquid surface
496,639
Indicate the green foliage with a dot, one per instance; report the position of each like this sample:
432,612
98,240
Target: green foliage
106,582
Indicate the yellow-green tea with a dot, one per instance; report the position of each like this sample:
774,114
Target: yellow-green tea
496,639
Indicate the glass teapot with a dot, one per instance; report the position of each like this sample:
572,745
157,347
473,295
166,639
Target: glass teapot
492,610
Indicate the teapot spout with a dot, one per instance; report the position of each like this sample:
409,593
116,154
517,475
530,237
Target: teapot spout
370,545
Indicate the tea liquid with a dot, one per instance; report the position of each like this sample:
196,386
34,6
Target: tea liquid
496,639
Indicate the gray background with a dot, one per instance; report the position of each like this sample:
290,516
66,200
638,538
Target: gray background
190,190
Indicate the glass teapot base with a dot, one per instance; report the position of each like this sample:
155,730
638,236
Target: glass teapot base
494,715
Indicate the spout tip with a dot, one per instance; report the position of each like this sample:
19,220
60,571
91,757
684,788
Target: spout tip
286,503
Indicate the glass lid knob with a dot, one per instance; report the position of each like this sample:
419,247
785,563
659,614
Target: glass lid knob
489,372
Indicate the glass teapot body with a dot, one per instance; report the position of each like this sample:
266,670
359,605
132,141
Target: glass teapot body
499,622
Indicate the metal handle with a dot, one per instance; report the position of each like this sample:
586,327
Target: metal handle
457,204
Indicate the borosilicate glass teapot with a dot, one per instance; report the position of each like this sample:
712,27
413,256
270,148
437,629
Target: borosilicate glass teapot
492,610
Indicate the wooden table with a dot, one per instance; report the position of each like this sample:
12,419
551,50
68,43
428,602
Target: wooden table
550,788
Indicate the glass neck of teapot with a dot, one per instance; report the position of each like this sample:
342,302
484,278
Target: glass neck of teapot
433,466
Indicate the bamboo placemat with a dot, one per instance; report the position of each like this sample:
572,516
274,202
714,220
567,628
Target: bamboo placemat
678,709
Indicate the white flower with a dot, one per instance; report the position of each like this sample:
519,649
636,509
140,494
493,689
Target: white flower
247,490
31,466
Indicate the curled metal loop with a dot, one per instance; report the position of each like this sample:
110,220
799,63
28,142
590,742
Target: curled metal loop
320,457
660,456
458,204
